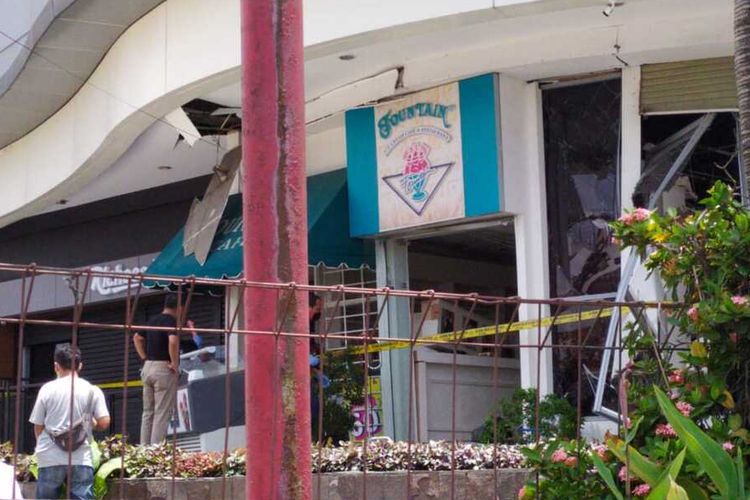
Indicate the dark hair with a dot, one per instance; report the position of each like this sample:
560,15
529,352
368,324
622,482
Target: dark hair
171,301
65,354
314,298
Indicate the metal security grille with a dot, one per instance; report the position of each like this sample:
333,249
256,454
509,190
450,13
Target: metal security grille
348,314
688,86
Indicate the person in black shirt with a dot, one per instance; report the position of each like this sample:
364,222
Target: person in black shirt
160,351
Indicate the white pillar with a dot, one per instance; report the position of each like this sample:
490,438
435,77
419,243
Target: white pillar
235,352
233,349
525,195
630,167
392,270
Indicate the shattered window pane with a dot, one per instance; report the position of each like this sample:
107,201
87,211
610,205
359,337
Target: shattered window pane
714,158
581,143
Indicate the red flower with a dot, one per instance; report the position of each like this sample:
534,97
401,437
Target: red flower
642,490
559,456
684,407
693,313
665,430
676,377
739,300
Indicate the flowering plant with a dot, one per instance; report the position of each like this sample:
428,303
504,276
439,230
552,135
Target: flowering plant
699,373
566,470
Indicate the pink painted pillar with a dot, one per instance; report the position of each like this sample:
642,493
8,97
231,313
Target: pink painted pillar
277,386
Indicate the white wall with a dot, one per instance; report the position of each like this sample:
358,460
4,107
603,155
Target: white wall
524,191
479,382
188,48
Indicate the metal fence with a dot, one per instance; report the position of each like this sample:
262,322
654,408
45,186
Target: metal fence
492,333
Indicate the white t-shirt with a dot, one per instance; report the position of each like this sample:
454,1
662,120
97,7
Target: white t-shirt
52,408
8,483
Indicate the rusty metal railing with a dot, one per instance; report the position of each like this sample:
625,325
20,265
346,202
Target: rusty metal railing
489,328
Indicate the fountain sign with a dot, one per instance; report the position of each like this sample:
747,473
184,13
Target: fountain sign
419,158
431,157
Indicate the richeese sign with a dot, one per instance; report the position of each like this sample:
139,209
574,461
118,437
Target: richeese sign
112,286
54,292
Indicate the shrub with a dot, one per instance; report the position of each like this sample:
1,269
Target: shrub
514,419
383,454
566,470
703,260
345,391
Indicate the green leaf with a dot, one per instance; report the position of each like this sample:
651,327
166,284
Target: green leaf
34,467
96,454
668,489
606,474
633,431
532,454
100,478
704,450
728,402
676,465
740,463
694,491
715,392
735,421
664,485
676,492
698,350
639,465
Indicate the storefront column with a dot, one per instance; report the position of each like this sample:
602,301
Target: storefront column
630,167
235,356
524,191
235,350
392,269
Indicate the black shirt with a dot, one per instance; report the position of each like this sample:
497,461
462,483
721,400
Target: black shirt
157,342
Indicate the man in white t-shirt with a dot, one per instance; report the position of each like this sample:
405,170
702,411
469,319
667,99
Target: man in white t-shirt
8,482
52,422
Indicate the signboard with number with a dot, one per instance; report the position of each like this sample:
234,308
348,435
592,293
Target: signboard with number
368,418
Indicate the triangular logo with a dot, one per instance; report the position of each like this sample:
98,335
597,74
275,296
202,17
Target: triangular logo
418,189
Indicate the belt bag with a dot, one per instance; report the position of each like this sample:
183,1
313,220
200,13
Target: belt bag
78,436
75,438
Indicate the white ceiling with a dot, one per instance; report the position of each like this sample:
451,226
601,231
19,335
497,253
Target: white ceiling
540,46
137,169
69,39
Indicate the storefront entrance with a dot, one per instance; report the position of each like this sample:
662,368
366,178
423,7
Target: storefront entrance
470,258
465,259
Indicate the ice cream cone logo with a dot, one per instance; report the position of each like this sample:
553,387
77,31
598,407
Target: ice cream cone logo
416,170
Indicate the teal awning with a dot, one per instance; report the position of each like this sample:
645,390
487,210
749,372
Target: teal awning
328,236
328,239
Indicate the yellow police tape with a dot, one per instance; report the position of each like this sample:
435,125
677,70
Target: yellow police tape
120,385
485,331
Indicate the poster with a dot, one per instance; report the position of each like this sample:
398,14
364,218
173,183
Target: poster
368,419
181,421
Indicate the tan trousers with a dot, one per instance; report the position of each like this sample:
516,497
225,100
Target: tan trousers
159,397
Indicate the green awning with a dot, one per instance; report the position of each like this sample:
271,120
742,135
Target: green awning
328,239
328,236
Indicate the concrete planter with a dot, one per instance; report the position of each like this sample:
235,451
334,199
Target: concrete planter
424,485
